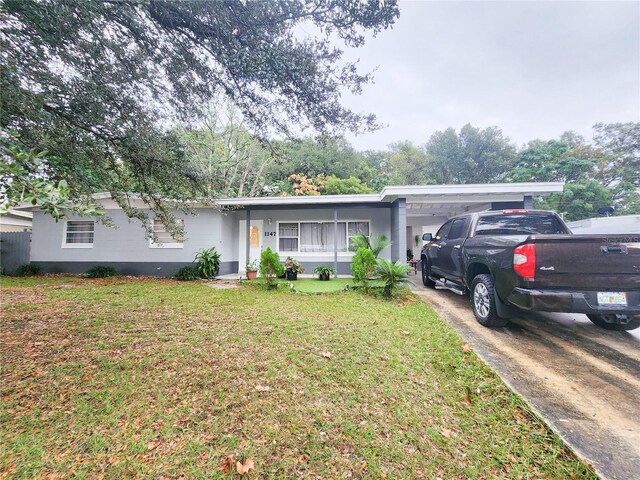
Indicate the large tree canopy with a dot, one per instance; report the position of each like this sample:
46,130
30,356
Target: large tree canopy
98,84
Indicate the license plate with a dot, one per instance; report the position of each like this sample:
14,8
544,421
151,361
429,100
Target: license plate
612,298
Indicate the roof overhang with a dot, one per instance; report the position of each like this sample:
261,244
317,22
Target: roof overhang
475,194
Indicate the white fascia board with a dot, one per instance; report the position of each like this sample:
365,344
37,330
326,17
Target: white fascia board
300,200
529,188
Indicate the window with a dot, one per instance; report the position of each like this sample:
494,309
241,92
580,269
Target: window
311,237
458,229
519,224
357,228
444,230
164,238
78,234
288,237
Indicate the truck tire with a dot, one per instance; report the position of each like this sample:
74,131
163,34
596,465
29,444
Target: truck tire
614,322
483,302
426,273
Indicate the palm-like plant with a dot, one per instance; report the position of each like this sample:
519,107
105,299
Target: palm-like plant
379,243
208,262
393,275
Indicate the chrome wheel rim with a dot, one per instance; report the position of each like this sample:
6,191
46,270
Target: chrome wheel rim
481,300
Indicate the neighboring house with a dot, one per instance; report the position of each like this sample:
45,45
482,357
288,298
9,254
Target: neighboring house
16,221
621,224
313,229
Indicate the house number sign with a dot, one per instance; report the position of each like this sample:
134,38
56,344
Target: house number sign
269,234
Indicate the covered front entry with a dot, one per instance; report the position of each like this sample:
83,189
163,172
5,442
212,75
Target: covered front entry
256,233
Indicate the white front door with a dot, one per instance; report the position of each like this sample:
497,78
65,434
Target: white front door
255,238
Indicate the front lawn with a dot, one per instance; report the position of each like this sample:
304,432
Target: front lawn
119,378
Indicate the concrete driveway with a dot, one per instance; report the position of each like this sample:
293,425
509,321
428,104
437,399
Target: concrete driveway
583,380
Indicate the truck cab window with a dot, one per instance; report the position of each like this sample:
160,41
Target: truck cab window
444,230
458,229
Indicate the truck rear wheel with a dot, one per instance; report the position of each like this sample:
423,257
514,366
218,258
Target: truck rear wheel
426,273
615,321
483,302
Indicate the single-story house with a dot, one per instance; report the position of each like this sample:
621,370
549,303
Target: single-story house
316,230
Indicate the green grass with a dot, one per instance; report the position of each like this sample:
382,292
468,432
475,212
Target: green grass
313,285
122,378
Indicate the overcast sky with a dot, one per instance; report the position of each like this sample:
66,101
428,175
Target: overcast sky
534,69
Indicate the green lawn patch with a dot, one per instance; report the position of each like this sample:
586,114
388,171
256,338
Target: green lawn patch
313,285
124,378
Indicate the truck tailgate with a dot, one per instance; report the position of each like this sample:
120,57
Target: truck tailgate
587,262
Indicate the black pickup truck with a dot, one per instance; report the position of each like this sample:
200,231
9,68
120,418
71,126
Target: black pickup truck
519,260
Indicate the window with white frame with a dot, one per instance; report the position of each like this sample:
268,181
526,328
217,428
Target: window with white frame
163,237
301,237
79,233
288,237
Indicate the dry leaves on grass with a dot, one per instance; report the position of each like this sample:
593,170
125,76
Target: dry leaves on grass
467,397
227,463
446,432
262,388
326,354
243,468
466,348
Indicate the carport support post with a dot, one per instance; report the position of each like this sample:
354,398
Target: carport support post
399,230
248,238
335,243
528,202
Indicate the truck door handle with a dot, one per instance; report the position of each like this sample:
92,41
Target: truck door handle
613,249
456,246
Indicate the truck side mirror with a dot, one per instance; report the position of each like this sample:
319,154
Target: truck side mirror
427,237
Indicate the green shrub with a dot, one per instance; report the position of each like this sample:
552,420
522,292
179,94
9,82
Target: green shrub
187,273
270,266
363,265
28,270
208,262
393,275
101,271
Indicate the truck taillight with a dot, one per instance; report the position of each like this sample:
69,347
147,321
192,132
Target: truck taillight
524,260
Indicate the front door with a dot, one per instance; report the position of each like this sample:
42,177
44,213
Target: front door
255,246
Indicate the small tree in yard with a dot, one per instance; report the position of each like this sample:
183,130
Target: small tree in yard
393,275
270,266
363,266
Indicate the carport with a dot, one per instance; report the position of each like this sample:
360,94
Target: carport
424,208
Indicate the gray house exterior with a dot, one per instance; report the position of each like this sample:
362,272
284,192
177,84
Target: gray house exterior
316,230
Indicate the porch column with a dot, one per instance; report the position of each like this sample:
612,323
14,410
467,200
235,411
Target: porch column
248,238
399,230
335,242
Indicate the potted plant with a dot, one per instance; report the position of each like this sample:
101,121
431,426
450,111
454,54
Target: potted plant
324,272
292,267
252,269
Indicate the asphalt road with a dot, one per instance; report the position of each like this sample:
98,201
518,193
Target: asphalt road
583,380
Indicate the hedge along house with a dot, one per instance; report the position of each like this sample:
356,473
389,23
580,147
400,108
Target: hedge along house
316,230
